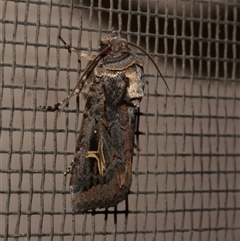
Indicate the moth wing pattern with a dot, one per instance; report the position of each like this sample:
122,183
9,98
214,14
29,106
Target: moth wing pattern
101,172
113,86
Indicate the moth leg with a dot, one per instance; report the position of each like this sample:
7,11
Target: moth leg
58,105
99,156
71,49
137,147
69,168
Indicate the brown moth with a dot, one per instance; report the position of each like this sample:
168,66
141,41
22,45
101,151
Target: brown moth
113,86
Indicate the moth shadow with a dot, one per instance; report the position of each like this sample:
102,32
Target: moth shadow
115,212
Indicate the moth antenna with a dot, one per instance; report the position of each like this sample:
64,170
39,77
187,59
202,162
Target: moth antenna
88,69
149,56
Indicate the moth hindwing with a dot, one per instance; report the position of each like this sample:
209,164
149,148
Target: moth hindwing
113,86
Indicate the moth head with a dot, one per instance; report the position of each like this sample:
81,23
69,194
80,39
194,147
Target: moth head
116,43
113,44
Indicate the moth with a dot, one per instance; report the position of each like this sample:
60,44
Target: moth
113,86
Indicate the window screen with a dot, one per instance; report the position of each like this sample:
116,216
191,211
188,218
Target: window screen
186,183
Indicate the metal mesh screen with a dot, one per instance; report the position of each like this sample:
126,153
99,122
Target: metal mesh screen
186,176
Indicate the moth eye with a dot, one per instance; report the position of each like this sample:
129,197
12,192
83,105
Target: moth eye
95,131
